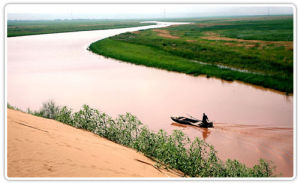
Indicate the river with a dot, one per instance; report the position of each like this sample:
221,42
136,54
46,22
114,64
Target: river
250,122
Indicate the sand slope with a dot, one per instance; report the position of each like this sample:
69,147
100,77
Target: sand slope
38,147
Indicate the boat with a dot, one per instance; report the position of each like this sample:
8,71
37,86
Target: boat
192,121
184,120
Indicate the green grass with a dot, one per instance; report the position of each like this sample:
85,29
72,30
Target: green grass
269,64
152,57
21,28
176,151
268,30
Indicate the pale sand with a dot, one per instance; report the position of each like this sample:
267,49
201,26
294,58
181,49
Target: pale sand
38,147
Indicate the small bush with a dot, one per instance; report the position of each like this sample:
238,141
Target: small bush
86,118
49,110
10,106
13,107
64,115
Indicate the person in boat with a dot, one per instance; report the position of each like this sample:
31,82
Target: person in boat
204,119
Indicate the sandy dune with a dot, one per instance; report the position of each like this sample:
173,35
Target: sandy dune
38,147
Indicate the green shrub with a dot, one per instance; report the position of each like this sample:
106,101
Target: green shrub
49,110
86,118
13,107
64,115
10,106
194,158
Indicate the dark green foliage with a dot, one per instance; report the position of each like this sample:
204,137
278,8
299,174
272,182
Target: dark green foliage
64,115
86,118
194,158
271,30
26,27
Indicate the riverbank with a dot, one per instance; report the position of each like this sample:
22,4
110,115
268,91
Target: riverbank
193,158
36,27
39,147
247,53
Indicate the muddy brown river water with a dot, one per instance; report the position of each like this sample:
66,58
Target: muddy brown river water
250,122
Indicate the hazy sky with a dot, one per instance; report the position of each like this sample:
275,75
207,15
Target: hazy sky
139,11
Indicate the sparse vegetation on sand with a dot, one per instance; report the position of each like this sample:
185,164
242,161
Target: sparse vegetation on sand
257,50
194,158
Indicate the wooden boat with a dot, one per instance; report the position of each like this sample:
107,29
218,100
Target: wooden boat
184,120
192,121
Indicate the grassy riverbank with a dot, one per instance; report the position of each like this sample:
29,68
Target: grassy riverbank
34,27
255,50
194,158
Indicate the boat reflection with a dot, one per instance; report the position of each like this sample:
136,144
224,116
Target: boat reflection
178,125
205,133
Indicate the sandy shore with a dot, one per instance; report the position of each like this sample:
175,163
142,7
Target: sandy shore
38,147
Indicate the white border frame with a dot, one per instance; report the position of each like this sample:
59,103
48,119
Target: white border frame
161,179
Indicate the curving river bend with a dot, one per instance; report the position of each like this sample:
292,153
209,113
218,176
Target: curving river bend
251,122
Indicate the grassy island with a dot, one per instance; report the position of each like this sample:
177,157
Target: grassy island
255,50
